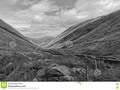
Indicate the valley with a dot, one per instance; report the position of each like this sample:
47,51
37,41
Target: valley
88,51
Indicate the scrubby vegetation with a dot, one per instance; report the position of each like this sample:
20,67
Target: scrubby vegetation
47,67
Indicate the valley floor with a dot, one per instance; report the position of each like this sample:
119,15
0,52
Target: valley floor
47,67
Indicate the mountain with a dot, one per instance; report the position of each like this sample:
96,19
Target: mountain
88,51
8,36
42,41
99,36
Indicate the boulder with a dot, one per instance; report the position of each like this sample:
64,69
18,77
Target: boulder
52,65
68,78
78,70
9,68
59,70
35,79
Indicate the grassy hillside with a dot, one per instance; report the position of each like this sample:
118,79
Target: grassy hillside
89,51
100,35
8,34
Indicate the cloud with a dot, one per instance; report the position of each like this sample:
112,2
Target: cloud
87,9
12,1
49,18
65,17
97,7
71,16
44,6
21,2
36,12
36,17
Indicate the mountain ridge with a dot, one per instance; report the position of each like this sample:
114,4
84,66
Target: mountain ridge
9,34
100,36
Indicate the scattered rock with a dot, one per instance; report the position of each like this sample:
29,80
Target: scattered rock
31,64
9,68
30,58
34,65
40,60
52,65
60,70
35,79
83,70
53,79
69,78
52,73
78,70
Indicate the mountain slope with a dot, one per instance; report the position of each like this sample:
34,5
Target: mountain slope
42,41
9,34
100,36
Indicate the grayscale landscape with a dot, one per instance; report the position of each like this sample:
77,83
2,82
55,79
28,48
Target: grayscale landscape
85,50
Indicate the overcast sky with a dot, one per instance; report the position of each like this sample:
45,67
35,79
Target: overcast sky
36,18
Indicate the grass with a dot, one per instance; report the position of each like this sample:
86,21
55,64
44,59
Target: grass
24,67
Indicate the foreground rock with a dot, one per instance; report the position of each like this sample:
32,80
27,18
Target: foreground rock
59,70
